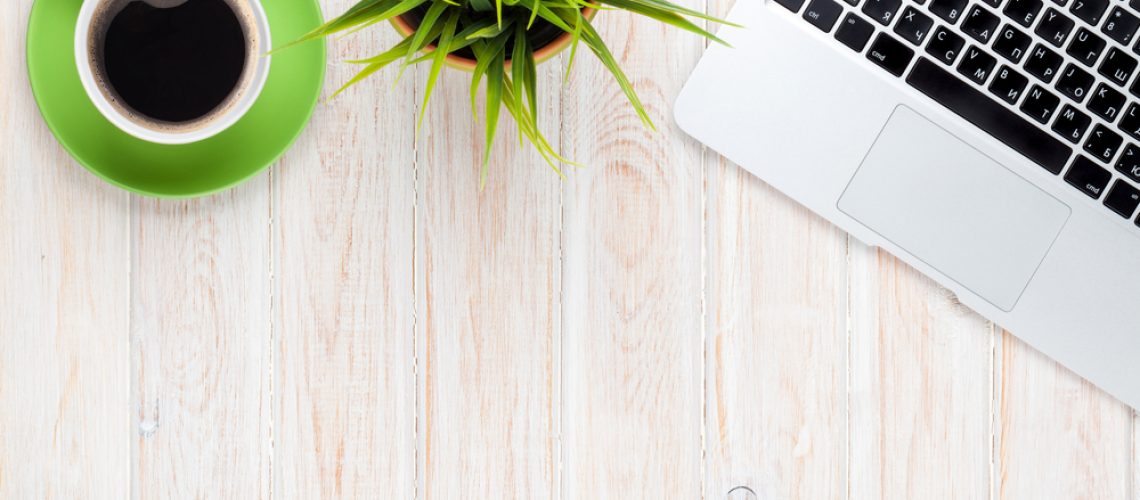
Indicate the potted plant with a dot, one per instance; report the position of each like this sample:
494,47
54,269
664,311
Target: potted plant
500,41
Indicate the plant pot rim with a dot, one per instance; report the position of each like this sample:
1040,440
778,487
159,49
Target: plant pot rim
541,55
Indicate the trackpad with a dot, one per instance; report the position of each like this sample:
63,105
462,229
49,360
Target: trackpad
954,208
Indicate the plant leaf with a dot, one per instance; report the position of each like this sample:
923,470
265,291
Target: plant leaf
481,5
595,43
665,5
441,51
420,37
664,16
494,99
375,63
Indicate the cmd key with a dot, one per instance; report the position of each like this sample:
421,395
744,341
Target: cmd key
890,54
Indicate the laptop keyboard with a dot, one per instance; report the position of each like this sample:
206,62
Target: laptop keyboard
1055,80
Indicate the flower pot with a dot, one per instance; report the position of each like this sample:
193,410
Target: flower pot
546,39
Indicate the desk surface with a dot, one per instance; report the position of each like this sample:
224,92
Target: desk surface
362,321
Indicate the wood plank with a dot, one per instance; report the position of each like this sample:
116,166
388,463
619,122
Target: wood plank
200,345
776,411
920,386
487,301
64,286
344,374
632,348
1057,436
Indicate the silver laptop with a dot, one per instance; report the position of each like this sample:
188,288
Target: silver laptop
992,144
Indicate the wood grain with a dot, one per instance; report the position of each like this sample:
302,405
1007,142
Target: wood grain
920,386
1057,436
632,347
487,301
344,359
200,345
64,291
776,410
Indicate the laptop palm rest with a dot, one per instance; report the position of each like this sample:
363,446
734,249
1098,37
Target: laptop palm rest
956,209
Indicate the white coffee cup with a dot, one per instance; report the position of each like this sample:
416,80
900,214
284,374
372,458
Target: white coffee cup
252,82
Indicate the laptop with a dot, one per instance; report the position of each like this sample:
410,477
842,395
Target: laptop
992,144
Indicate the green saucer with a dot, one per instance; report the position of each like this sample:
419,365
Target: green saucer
217,163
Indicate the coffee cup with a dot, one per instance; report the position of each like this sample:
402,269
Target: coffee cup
172,71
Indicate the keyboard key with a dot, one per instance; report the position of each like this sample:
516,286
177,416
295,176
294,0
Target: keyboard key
1117,66
1129,162
1075,82
1071,124
1089,10
1103,143
1088,177
1008,84
1011,43
890,54
1054,27
823,13
1040,104
913,26
993,3
980,24
1043,63
1130,124
944,45
792,5
1023,12
1086,46
852,3
854,32
974,106
1106,102
949,10
882,11
1120,26
1123,199
976,65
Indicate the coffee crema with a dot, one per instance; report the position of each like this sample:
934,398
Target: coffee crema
174,69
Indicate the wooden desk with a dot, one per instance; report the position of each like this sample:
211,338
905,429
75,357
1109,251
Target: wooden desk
361,321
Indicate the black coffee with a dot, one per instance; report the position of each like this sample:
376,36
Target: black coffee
174,64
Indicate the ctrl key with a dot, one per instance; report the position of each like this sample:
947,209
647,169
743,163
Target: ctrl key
854,32
890,54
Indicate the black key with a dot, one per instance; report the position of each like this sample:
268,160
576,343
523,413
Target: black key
1117,66
792,5
980,24
1135,88
993,3
1130,124
1106,102
890,54
1103,143
1120,26
913,26
1135,4
1089,10
1043,63
1086,46
1055,27
976,65
1071,124
1040,104
882,11
1011,43
1075,82
1129,162
949,10
1123,199
823,13
1008,84
1023,12
854,32
944,45
985,113
852,3
1088,177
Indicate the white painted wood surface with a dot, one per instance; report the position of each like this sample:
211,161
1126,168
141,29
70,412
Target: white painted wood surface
363,322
